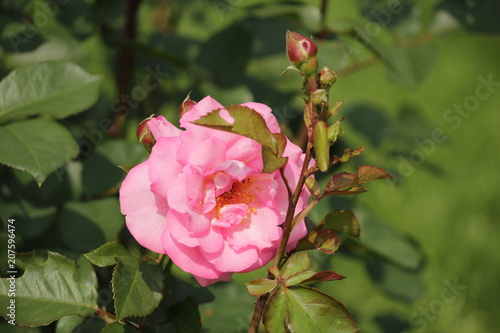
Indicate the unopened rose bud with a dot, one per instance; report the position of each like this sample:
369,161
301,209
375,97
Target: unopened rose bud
321,145
327,77
186,105
319,96
144,134
302,53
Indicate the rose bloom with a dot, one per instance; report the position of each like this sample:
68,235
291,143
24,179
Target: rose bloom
202,199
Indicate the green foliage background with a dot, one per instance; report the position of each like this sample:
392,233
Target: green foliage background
398,86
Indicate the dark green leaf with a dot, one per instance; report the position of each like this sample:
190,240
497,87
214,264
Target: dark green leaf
35,220
400,283
48,290
185,316
137,287
55,89
389,243
106,254
227,53
342,221
118,328
39,146
101,171
86,225
480,16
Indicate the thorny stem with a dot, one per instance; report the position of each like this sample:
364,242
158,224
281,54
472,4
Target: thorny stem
293,198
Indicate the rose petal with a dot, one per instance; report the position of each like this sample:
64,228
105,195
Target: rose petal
260,230
161,127
230,260
206,282
145,212
203,107
189,259
266,113
163,167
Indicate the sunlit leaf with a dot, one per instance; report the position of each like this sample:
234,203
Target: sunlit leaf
54,89
38,146
310,310
260,286
345,183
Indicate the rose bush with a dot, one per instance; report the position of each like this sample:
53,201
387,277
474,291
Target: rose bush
202,199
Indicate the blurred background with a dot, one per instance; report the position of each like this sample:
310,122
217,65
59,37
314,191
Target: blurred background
420,81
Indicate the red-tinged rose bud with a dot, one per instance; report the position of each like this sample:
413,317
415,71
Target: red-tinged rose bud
144,134
186,105
327,77
302,53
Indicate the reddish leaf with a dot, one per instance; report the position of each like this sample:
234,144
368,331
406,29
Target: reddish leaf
345,183
323,276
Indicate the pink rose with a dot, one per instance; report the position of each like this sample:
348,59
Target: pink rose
202,198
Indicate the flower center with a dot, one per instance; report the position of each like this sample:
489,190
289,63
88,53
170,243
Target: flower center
240,193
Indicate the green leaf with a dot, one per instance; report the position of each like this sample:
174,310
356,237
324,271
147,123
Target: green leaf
106,254
251,124
36,219
39,146
274,315
68,324
118,328
137,287
310,310
47,291
259,287
54,89
227,53
297,263
477,17
342,221
185,316
101,171
387,242
86,225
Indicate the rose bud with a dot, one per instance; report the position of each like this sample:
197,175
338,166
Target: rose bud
302,53
186,105
144,134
